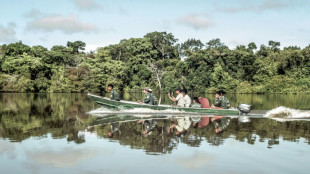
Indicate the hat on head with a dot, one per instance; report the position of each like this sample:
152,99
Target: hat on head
145,88
150,90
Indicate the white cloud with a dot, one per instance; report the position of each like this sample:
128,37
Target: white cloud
235,43
89,48
68,24
123,11
33,13
65,158
7,34
195,21
195,161
8,149
258,8
86,4
109,30
270,5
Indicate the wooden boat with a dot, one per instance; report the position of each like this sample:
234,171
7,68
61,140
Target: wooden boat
120,105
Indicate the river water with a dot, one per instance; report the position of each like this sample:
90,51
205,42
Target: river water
55,133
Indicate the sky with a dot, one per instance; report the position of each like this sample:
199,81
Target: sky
99,23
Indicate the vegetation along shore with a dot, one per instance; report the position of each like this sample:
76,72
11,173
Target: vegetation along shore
158,61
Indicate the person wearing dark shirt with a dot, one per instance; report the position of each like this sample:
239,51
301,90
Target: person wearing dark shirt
149,98
114,94
221,102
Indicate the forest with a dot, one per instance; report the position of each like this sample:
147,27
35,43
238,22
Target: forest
159,61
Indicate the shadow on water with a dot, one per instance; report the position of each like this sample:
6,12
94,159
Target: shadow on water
65,116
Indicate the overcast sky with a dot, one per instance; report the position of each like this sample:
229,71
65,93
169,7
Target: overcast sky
102,22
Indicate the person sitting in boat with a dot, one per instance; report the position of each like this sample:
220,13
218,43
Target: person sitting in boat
114,94
221,102
149,98
187,99
154,99
179,100
196,103
204,102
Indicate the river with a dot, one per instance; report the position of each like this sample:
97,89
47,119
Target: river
54,133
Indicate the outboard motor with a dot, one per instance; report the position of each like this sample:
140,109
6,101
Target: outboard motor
244,109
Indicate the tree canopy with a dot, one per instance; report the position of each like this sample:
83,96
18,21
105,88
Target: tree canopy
192,64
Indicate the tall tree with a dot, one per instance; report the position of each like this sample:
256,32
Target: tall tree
252,46
164,43
76,46
15,49
274,45
189,46
215,44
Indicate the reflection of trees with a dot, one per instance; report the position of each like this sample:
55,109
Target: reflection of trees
63,116
192,140
160,141
26,115
268,130
130,134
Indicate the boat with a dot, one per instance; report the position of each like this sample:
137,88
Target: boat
123,104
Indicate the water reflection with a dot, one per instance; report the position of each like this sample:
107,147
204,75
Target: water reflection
26,115
56,135
162,135
65,116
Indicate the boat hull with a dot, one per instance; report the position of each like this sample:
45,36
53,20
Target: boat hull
130,105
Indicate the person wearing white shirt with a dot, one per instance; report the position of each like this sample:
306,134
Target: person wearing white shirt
179,100
187,99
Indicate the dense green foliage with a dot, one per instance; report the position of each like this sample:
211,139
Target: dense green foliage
158,61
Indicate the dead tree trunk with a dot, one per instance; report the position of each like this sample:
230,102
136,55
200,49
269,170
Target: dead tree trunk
158,73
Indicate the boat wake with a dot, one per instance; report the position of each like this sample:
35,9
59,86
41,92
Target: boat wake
285,114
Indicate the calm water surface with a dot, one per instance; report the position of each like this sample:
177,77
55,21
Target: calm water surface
50,133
